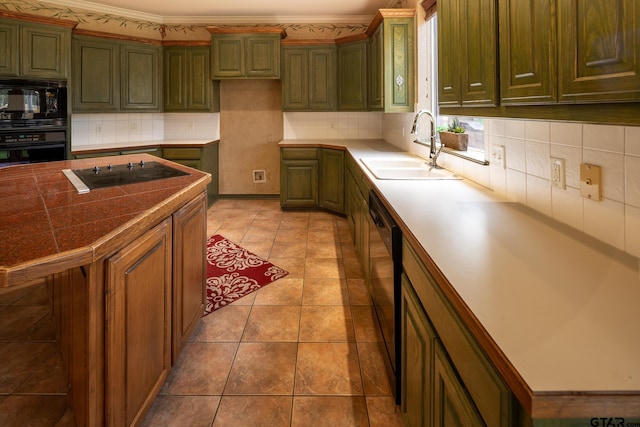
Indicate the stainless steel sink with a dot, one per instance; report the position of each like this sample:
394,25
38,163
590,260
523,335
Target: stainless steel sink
405,168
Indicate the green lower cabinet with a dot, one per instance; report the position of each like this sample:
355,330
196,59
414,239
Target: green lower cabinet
452,404
312,178
418,344
204,158
331,189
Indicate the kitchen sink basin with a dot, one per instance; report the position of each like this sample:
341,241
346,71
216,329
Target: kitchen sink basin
405,168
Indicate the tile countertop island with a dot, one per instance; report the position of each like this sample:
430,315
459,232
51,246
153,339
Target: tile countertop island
48,227
556,311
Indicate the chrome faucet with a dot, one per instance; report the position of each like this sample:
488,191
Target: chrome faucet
433,153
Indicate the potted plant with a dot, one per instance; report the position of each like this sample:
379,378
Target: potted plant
453,135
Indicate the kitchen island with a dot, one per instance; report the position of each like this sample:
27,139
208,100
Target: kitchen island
528,312
125,271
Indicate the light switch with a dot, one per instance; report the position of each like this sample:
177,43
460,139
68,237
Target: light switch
590,181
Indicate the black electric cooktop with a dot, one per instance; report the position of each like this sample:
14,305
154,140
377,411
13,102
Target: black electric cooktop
131,173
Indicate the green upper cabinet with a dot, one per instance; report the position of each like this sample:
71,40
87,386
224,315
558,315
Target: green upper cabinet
352,76
187,81
140,79
9,48
96,75
111,76
34,51
467,49
527,52
395,51
375,61
308,78
253,56
599,41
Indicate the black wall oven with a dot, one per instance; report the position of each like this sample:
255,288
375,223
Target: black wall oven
33,121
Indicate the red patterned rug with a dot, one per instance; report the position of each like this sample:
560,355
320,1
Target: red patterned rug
233,272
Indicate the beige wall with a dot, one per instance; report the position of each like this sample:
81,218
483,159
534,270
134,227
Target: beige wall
250,128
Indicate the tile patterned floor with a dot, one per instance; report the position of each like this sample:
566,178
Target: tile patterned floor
302,351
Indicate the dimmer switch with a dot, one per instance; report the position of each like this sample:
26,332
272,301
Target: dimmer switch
590,182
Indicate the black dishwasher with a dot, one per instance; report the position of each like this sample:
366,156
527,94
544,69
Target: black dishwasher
385,262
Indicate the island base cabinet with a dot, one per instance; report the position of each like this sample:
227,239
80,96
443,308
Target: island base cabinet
189,274
138,325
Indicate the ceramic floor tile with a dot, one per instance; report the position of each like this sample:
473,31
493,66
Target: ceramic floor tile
294,223
49,378
295,266
383,412
272,323
323,223
325,292
324,250
19,360
373,365
262,368
202,369
288,249
291,235
329,412
254,411
320,268
366,324
284,291
358,292
35,411
223,325
179,411
326,323
328,369
323,236
260,248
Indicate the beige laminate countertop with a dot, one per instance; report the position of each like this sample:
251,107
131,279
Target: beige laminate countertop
141,144
563,308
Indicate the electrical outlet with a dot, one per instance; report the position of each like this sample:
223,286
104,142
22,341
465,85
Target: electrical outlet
259,176
134,127
498,156
558,176
98,129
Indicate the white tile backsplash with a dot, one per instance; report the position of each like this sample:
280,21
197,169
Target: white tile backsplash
95,129
537,131
604,137
537,159
632,181
566,133
332,125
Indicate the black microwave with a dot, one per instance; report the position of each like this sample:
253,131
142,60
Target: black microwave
32,103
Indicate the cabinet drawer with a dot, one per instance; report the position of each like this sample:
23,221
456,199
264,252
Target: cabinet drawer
491,396
181,153
196,164
299,153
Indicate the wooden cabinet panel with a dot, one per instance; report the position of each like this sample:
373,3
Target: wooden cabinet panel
418,350
599,41
138,328
352,76
140,83
452,405
205,158
299,184
45,51
228,56
399,67
295,79
332,179
189,274
187,81
96,75
375,81
308,78
322,79
9,48
262,56
528,71
467,49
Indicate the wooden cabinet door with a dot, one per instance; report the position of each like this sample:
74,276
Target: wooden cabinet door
599,41
189,274
96,75
295,78
478,45
45,51
449,54
227,59
322,79
375,83
9,48
175,77
262,58
352,76
198,82
452,405
140,83
138,327
528,72
332,179
418,346
299,184
399,65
